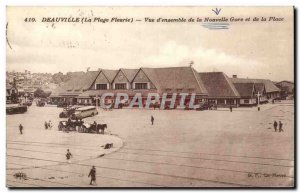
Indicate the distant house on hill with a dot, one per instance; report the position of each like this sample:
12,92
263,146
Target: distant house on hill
11,90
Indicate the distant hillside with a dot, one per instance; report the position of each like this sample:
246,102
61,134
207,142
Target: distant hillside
59,78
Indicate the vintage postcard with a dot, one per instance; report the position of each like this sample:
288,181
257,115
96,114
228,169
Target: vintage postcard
156,97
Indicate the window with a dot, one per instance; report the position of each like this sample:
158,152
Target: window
141,86
246,101
211,101
119,86
230,101
101,86
221,101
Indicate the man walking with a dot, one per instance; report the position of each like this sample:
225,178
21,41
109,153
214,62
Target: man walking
280,127
275,126
46,125
50,124
152,119
93,175
68,155
21,128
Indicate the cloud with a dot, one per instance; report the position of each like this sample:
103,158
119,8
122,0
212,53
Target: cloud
173,54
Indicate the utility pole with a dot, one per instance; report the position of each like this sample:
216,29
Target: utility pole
258,95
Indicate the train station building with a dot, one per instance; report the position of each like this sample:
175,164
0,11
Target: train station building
86,88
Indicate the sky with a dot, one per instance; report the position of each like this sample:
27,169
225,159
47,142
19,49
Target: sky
247,49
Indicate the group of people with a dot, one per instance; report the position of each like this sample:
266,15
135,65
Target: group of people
48,125
275,125
92,173
75,125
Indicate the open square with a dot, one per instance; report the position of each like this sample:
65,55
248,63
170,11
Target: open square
181,149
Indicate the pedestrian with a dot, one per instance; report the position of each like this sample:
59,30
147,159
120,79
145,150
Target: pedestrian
80,125
93,175
69,124
280,127
46,125
275,126
152,119
21,128
230,108
68,155
50,124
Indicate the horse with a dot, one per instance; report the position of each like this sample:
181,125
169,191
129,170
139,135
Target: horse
101,127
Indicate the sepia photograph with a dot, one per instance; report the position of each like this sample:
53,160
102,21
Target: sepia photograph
150,97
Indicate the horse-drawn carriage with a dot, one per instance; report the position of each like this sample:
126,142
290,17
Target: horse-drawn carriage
81,127
69,125
93,128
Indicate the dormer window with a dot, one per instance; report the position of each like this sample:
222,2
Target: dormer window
141,86
120,86
101,86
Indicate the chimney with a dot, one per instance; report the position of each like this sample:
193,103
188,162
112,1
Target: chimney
234,76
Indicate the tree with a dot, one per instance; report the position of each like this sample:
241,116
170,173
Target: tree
14,97
40,93
58,78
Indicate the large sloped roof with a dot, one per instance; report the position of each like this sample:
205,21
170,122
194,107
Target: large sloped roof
129,73
110,74
269,85
175,78
218,84
244,89
284,81
259,87
77,84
